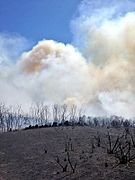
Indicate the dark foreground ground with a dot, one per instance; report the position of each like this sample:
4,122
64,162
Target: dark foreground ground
41,153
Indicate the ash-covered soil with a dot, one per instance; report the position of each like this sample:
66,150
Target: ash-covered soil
44,153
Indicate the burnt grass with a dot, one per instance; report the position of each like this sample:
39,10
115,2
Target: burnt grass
38,154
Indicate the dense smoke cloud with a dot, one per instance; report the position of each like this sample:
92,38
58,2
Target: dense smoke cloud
106,32
101,74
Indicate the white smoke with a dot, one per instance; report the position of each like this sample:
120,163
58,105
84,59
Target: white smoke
11,46
104,33
101,75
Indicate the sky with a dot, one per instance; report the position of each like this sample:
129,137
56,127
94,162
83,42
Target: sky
70,51
38,19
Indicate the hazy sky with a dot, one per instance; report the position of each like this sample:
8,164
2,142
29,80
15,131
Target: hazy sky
38,19
96,68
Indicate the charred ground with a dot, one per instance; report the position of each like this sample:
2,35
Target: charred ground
68,153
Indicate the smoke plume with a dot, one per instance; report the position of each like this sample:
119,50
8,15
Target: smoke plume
98,71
